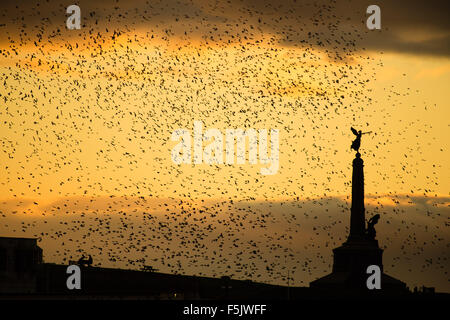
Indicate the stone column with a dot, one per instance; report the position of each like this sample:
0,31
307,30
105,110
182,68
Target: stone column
357,218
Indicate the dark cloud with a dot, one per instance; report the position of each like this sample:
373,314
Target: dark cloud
416,27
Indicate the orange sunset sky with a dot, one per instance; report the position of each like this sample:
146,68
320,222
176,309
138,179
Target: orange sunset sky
87,117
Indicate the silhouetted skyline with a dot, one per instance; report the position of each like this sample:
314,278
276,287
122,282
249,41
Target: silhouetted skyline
88,117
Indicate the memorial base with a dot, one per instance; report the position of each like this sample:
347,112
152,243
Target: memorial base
350,268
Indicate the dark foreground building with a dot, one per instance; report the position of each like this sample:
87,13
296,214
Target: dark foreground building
19,262
24,276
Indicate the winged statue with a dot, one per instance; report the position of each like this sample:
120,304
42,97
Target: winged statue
357,142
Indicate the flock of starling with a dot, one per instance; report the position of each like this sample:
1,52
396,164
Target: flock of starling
87,115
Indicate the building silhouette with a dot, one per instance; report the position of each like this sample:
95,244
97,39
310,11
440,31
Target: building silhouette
350,261
20,259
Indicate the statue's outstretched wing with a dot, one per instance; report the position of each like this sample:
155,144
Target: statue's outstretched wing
354,131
